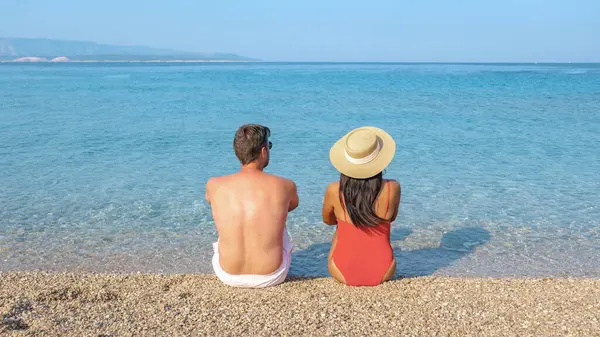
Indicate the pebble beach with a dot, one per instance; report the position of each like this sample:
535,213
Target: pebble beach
87,304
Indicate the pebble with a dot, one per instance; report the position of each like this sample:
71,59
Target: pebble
427,306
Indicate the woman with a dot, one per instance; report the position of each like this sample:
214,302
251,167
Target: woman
363,205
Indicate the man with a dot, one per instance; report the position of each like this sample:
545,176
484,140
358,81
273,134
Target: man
250,210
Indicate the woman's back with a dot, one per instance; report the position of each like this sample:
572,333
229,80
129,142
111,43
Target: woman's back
386,204
363,254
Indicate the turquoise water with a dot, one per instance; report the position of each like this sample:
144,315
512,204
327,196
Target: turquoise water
103,166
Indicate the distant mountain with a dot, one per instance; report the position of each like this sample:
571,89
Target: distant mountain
16,48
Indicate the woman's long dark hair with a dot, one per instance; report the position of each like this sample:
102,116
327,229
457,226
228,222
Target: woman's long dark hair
359,199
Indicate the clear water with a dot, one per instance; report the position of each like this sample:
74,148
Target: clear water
103,166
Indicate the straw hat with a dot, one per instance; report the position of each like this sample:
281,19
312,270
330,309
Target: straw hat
363,152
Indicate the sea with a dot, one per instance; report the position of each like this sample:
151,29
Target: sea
103,166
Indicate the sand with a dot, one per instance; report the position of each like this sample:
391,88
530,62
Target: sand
77,304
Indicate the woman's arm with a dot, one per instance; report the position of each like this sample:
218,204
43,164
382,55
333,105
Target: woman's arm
328,202
396,195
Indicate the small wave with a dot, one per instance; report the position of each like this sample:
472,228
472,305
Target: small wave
40,78
124,76
576,72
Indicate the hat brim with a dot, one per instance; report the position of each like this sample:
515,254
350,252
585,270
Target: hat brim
362,171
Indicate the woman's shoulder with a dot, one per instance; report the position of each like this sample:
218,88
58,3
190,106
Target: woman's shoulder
394,188
333,187
394,184
332,193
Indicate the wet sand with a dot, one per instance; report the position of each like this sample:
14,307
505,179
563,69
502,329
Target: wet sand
52,304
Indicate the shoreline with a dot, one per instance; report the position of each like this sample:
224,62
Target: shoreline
84,303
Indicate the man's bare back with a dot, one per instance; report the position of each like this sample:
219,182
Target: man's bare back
250,209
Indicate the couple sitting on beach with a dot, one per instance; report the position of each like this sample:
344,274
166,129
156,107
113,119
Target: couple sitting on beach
250,209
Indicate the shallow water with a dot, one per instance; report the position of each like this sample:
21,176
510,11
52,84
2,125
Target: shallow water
104,165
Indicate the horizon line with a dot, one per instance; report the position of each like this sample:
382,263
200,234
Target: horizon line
159,60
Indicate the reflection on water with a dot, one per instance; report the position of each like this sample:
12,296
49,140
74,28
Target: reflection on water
454,245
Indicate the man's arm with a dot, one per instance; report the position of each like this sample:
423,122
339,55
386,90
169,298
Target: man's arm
328,210
209,184
294,200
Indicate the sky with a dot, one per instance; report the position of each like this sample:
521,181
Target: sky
326,30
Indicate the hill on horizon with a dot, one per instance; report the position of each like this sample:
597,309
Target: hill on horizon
13,48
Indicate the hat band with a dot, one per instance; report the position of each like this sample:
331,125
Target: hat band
367,159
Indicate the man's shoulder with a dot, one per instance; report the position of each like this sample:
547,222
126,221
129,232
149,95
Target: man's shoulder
280,179
218,180
215,180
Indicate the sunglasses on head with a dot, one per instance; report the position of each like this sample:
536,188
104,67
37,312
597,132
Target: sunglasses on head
270,145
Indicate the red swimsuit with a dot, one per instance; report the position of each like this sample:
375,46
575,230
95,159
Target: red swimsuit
363,255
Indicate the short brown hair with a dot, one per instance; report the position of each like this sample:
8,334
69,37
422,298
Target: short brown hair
249,140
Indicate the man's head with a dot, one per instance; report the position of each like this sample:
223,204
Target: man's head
251,144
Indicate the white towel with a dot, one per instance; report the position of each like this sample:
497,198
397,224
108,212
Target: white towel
256,281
